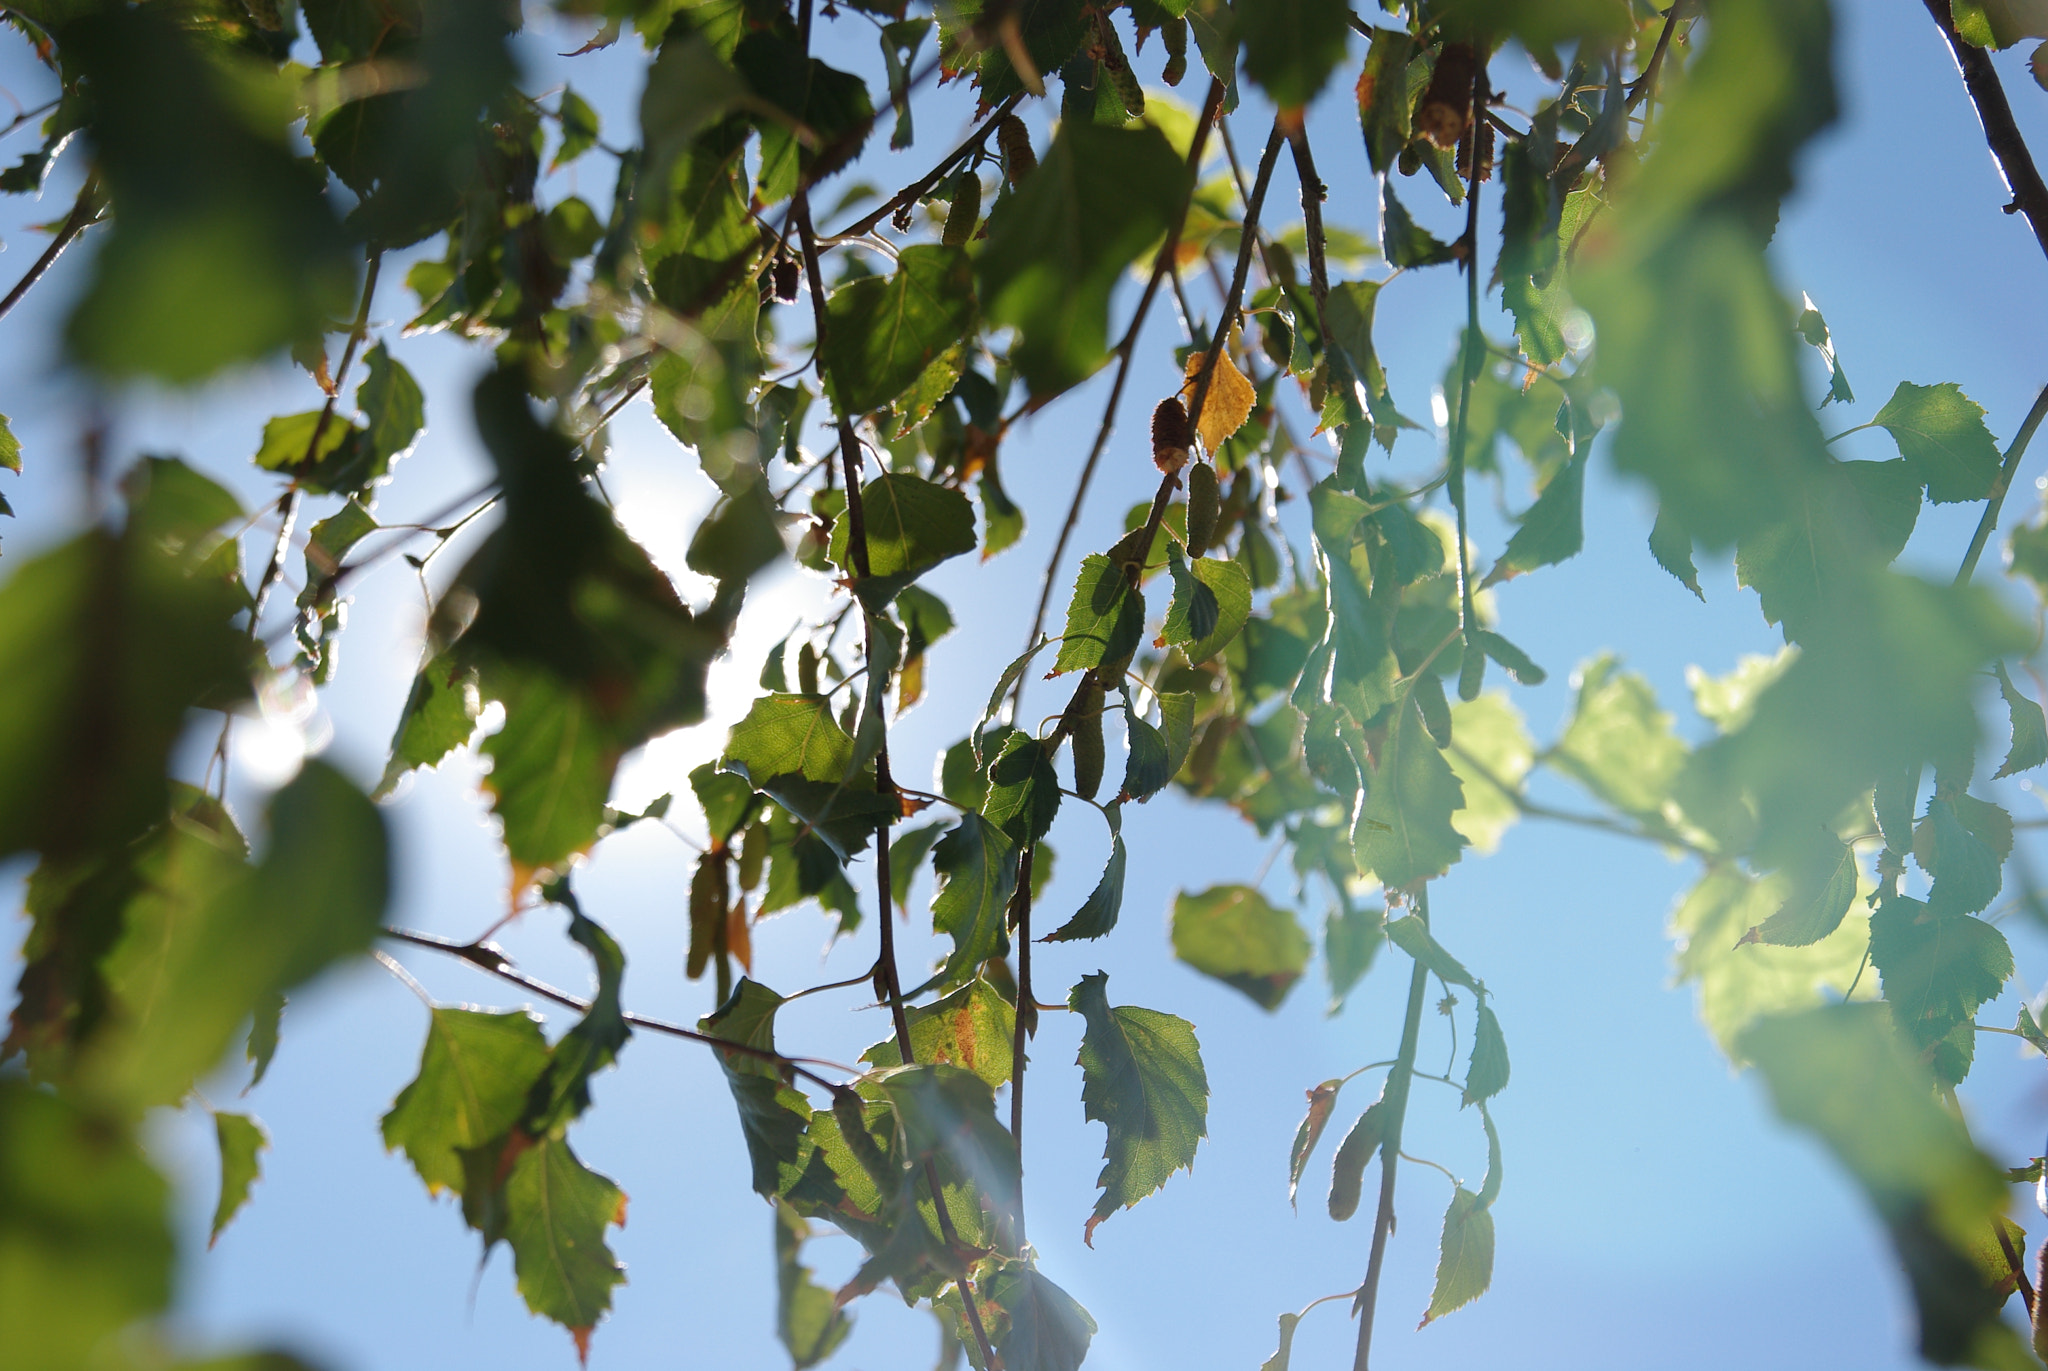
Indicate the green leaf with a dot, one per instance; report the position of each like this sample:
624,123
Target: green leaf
912,526
439,716
1464,1266
240,1137
1486,1075
1619,745
1842,1074
1937,969
947,1113
1671,546
1813,327
1230,932
689,86
831,107
1403,242
1352,939
1049,1330
1347,1168
1554,528
551,773
790,735
84,1219
807,1318
223,938
1211,601
1412,936
393,409
1941,434
1820,900
1148,767
1142,1076
475,1072
1023,790
262,1049
1964,867
1292,46
973,1028
1402,832
882,332
1105,618
2029,730
1321,1100
579,128
1491,753
556,1211
223,247
977,862
1741,981
1807,565
1518,663
773,1116
1057,246
1288,1322
1098,913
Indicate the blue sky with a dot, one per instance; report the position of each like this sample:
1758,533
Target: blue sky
1653,1214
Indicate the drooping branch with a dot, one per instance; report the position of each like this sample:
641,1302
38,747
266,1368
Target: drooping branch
2001,131
85,212
1396,1099
1470,353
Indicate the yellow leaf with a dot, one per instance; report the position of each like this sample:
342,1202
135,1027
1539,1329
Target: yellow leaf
1229,401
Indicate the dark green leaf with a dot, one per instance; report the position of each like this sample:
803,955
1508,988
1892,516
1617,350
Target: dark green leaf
1964,866
947,1113
1347,1168
1105,617
556,1211
1211,601
1671,545
1292,46
1057,246
1518,663
1936,970
882,332
1553,529
978,864
579,128
831,107
1098,913
2029,730
1405,243
1464,1266
1141,1075
773,1116
1049,1330
240,1138
551,772
1148,768
1940,432
1232,933
393,409
1023,790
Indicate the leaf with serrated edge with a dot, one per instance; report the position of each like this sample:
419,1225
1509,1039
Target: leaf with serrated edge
2029,730
1486,1075
1142,1077
475,1072
556,1212
240,1137
1464,1266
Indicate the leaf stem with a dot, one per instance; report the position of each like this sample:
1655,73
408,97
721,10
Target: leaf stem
2011,468
1469,355
1397,1108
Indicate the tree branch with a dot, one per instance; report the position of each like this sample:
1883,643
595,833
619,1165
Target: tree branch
85,212
1396,1097
915,191
2001,132
1469,355
2011,468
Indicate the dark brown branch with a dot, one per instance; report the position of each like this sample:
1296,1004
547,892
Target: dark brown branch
2011,468
1647,81
488,958
915,191
1396,1097
85,212
1126,350
2001,132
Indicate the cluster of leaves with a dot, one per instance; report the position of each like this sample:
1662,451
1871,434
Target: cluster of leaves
1300,671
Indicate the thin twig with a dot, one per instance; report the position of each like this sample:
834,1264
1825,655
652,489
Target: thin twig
913,192
1647,82
2007,472
1126,350
2001,132
1396,1098
85,212
487,957
1468,361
